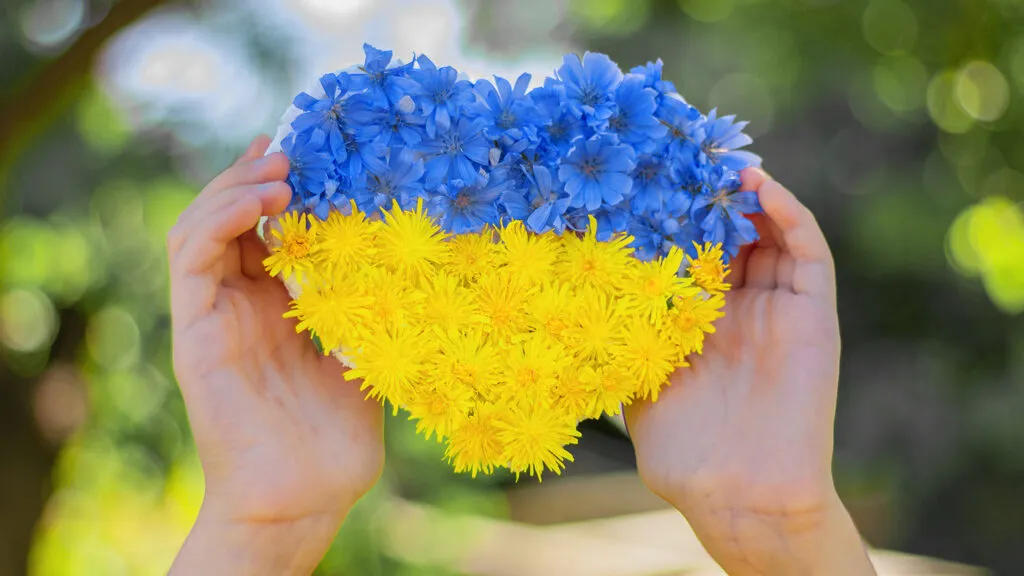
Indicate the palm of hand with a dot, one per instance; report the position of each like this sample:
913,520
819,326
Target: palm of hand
751,419
279,432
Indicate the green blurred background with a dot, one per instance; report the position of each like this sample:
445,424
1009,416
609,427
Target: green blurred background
900,123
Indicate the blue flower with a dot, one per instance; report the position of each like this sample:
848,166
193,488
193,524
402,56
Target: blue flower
327,113
311,165
651,185
507,110
596,172
590,85
633,119
647,237
386,84
557,126
469,207
652,78
401,125
399,179
364,150
682,233
679,118
720,211
543,207
458,153
720,139
442,95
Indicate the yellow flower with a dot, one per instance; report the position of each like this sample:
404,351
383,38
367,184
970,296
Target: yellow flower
471,255
532,368
347,241
467,359
410,242
298,249
475,445
570,394
441,408
709,269
448,305
690,317
501,299
598,326
529,257
395,302
551,310
392,363
651,285
589,262
610,387
334,316
648,357
535,439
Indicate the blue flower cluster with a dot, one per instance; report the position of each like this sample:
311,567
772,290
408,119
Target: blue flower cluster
591,141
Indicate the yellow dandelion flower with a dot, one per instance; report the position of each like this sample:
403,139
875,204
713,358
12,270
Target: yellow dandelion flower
692,316
501,299
347,240
597,328
467,359
448,305
535,440
571,395
609,387
648,357
530,257
651,285
532,368
392,363
296,249
470,255
440,409
589,262
334,316
475,446
395,302
410,242
551,310
709,269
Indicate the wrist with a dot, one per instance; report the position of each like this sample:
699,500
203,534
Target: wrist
811,536
223,543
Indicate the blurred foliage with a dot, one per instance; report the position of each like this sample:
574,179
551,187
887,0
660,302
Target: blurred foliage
898,122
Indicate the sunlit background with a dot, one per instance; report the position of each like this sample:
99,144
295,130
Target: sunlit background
900,123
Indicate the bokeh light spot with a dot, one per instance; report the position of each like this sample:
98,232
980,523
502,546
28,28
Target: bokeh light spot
982,91
611,16
47,24
901,82
707,10
944,107
890,26
987,240
100,122
113,338
28,320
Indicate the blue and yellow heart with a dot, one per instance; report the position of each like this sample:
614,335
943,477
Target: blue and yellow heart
504,262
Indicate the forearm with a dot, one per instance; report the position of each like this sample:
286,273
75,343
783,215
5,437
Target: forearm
218,545
816,540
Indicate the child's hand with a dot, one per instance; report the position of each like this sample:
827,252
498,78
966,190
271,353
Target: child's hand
287,446
741,442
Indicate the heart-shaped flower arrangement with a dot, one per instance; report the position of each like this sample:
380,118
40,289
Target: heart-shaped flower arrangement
501,262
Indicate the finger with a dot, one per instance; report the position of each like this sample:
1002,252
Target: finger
207,238
259,170
201,207
738,266
253,253
812,260
753,178
256,148
762,263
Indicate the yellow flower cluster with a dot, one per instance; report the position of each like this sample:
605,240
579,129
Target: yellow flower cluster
498,343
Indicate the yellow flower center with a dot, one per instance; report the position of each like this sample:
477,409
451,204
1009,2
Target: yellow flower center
298,246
